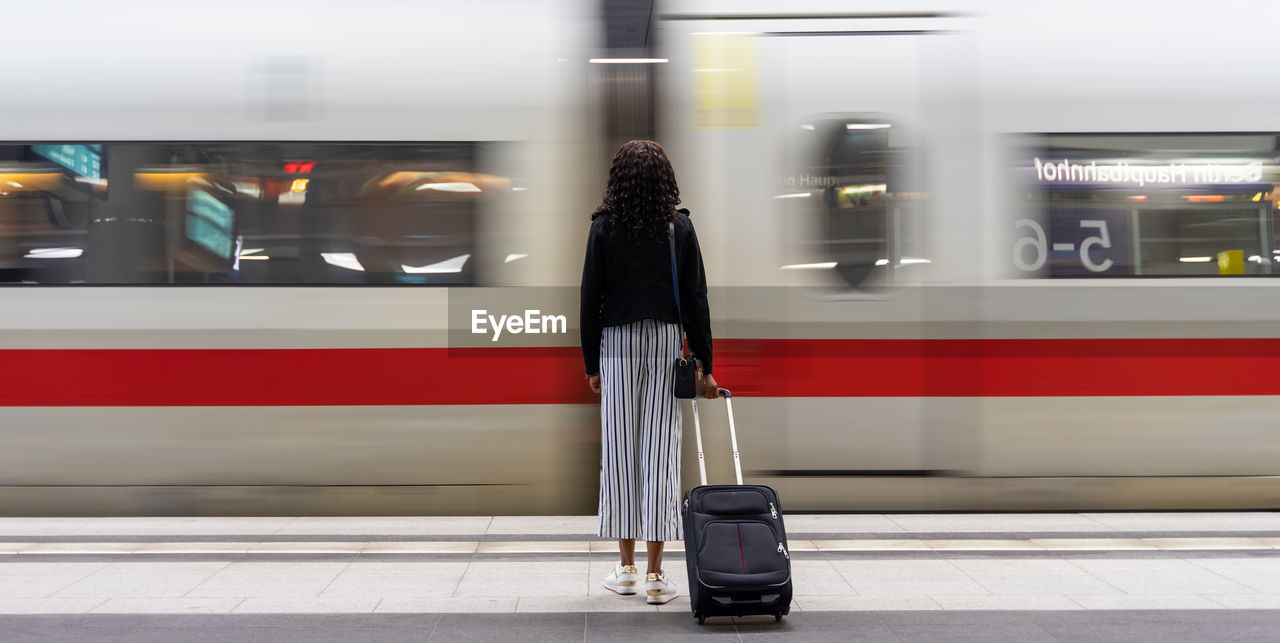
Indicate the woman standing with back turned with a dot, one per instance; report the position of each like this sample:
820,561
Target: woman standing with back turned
631,336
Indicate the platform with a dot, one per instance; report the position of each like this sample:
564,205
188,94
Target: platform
1024,577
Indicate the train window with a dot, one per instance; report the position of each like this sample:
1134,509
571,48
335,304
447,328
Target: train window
1144,205
856,167
241,213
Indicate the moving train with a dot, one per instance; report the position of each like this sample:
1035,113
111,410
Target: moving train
961,256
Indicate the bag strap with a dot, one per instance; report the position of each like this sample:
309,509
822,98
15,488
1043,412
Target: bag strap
675,286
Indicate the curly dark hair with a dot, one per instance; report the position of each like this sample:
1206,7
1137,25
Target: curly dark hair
642,194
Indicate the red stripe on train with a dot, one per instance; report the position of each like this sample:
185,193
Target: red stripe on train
754,368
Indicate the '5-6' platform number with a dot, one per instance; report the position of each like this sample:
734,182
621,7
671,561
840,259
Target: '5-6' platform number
1039,245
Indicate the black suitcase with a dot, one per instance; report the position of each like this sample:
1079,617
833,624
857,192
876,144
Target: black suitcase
734,543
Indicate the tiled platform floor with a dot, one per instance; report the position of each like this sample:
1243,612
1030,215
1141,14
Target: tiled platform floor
1190,576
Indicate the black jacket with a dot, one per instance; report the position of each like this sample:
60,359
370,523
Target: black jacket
626,280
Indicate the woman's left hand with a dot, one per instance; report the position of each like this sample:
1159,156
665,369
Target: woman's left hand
593,381
709,387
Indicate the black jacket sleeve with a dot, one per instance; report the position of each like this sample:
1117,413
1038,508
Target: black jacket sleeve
592,298
693,298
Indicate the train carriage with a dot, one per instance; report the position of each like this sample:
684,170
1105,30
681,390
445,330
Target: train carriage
976,257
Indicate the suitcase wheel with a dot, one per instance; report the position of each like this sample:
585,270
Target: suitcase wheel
702,619
777,618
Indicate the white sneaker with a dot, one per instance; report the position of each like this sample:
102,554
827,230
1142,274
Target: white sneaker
623,579
659,589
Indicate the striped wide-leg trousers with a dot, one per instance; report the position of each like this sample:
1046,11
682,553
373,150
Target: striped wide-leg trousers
640,432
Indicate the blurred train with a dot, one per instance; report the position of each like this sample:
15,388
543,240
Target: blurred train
962,256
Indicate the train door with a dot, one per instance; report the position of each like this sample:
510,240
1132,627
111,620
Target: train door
814,148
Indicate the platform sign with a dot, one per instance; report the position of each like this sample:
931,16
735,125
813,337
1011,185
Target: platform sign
210,223
1086,242
1074,243
1063,170
83,160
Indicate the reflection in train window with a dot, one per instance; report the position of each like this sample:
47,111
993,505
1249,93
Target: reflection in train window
1146,205
858,170
247,213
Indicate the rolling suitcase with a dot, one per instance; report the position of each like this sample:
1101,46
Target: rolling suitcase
734,543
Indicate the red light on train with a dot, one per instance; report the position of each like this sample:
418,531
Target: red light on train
1204,198
299,168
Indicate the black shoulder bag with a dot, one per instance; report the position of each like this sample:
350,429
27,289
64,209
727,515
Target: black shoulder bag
688,374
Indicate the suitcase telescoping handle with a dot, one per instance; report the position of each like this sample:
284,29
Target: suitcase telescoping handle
733,436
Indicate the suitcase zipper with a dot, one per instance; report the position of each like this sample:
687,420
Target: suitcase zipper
773,511
783,550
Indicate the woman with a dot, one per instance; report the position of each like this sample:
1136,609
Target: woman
631,336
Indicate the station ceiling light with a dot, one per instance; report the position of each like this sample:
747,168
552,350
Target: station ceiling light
440,267
54,253
628,61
